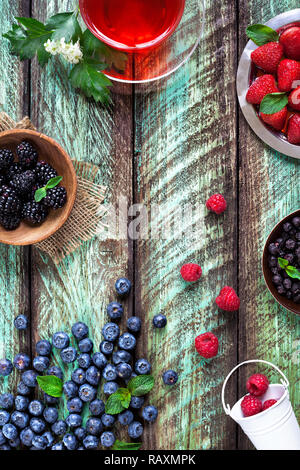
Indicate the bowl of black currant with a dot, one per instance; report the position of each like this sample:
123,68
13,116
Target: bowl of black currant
37,187
281,262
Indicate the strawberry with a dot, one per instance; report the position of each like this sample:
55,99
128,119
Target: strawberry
288,72
276,120
290,40
261,87
293,134
268,56
294,99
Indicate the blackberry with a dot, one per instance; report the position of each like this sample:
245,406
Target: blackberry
10,222
22,183
10,204
44,172
2,180
56,197
14,169
34,212
6,159
27,154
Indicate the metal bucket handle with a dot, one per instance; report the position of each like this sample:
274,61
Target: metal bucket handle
284,382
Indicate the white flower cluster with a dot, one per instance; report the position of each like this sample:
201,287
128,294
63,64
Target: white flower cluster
71,52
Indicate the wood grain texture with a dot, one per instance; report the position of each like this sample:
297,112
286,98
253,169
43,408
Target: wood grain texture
269,190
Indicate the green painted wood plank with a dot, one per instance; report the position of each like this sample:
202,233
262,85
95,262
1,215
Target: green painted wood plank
269,190
186,151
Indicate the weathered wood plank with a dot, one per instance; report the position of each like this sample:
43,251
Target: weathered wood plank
186,151
269,190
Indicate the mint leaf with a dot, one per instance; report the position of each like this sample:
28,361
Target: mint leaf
64,25
261,34
121,445
40,194
292,272
53,182
114,404
87,76
273,102
51,385
125,396
283,262
141,385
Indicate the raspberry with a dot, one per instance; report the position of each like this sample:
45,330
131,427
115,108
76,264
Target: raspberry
228,299
257,384
251,405
267,404
191,272
207,345
216,203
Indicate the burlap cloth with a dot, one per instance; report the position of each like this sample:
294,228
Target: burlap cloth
85,220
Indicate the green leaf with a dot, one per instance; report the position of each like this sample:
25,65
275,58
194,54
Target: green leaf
87,76
116,401
141,385
125,397
261,34
292,272
92,47
283,262
40,194
34,27
121,445
51,385
64,25
16,36
273,102
53,182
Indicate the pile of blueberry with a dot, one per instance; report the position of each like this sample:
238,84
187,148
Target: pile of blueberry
287,247
36,424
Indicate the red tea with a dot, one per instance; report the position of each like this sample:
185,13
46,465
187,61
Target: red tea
131,25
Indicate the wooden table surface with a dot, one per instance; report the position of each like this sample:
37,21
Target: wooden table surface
171,144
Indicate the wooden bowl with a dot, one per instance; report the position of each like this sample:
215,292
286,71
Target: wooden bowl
286,303
52,153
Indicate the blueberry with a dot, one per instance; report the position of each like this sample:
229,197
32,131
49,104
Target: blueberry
21,403
60,340
150,413
21,322
287,227
125,418
6,401
58,446
142,367
2,438
107,439
124,370
170,377
70,442
110,331
50,400
84,360
26,437
137,402
78,376
91,442
50,415
49,438
110,372
296,222
134,324
37,425
123,286
36,408
85,345
4,417
114,310
20,419
59,427
87,393
74,420
21,361
93,375
127,341
80,330
94,426
10,431
135,430
70,389
110,387
29,378
75,405
39,442
107,420
15,442
41,363
121,356
6,367
97,407
99,360
68,355
159,321
287,284
23,389
56,371
273,249
43,348
80,433
106,347
131,377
